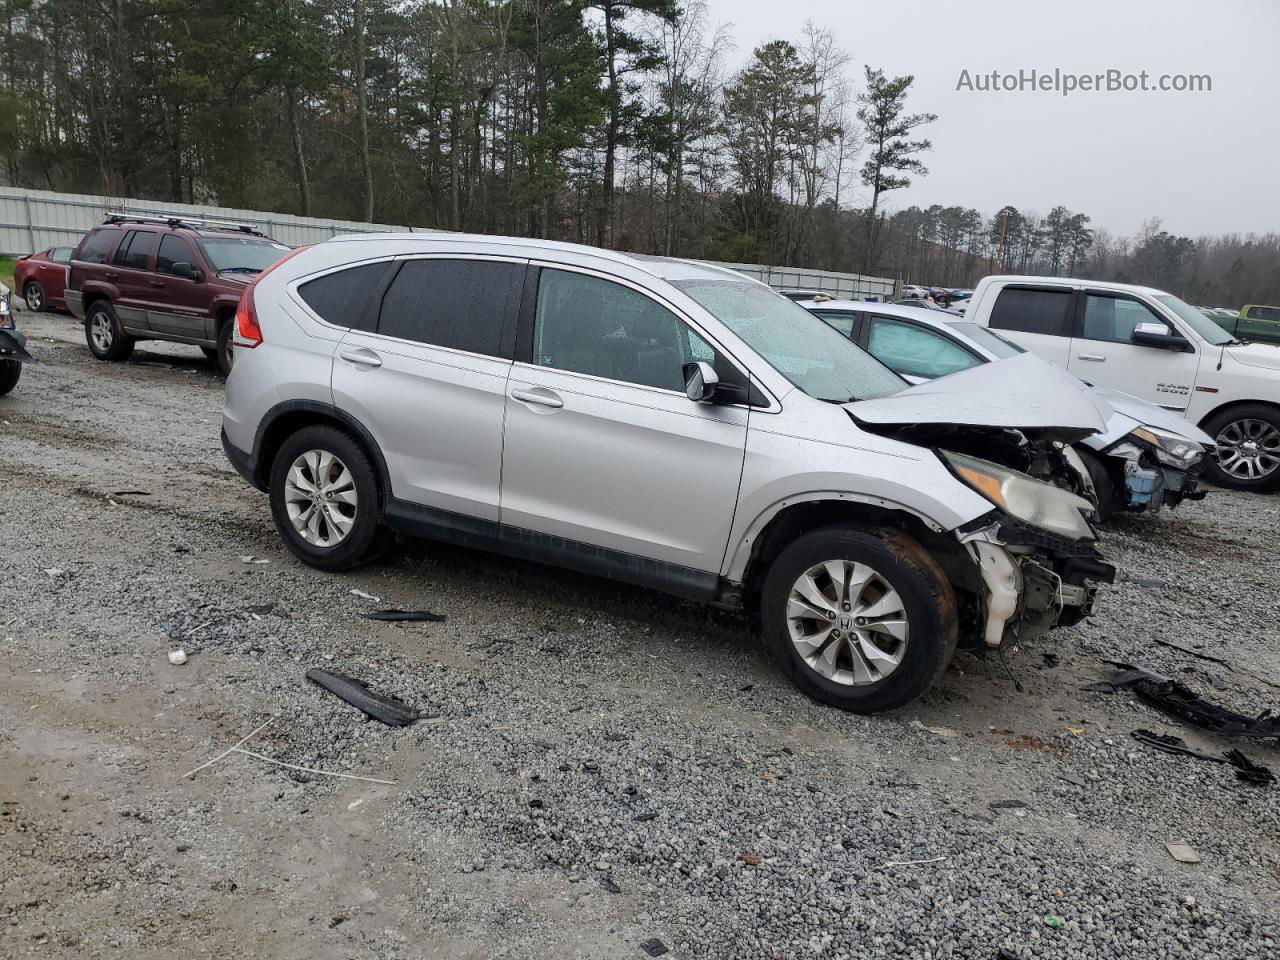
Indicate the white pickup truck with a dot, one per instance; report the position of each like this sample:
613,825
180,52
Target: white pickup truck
1150,344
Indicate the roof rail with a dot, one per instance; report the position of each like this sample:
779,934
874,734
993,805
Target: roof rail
178,220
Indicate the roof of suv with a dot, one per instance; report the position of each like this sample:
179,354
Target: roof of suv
666,268
124,221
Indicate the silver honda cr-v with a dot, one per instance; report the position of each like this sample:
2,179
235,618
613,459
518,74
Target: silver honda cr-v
671,424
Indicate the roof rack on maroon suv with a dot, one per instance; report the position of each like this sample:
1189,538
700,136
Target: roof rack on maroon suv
176,220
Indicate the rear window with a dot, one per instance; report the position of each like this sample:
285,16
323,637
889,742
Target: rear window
97,245
347,298
460,304
1263,313
1033,311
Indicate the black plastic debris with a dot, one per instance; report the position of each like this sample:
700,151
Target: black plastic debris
654,947
1246,769
13,346
384,709
1172,698
405,616
609,884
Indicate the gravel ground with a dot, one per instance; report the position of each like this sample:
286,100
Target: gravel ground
603,767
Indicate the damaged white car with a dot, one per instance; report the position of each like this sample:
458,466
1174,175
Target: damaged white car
1147,457
673,425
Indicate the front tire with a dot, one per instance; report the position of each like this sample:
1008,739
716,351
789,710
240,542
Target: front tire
324,499
33,294
1104,490
10,373
102,331
1248,447
860,619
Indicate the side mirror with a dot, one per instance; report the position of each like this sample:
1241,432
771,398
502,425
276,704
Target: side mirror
1157,335
183,269
700,381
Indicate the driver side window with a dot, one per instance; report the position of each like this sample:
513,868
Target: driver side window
586,324
915,351
1112,319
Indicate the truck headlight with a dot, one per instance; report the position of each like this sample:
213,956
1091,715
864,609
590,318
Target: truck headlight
1170,449
6,318
1031,501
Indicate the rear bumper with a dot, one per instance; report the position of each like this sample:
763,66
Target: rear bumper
74,300
243,462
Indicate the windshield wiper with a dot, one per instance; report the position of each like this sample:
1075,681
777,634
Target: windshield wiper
241,270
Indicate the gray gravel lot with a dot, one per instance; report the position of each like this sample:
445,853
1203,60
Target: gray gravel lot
603,766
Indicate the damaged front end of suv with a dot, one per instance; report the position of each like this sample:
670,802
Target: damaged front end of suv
1035,552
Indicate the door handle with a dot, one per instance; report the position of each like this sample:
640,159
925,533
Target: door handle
362,357
156,283
112,276
539,395
1093,357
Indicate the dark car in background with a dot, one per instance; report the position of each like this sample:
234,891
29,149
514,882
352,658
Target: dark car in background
164,278
40,278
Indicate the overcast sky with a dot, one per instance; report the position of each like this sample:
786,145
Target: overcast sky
1201,162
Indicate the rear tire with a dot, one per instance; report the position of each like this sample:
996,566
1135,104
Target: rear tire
893,653
33,294
10,373
335,532
102,331
1248,446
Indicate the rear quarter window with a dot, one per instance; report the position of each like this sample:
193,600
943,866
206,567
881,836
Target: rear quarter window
348,298
97,246
1032,311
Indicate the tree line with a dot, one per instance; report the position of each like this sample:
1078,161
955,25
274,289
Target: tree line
613,122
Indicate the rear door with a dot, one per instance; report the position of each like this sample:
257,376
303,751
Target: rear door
1103,353
130,272
177,305
1038,318
428,377
608,465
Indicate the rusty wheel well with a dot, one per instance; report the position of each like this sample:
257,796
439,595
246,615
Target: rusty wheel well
798,519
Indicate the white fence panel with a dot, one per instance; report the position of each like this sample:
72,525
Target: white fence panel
32,220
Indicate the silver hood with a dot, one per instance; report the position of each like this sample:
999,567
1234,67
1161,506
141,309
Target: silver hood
1018,393
1133,412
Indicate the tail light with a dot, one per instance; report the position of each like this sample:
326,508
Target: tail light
248,332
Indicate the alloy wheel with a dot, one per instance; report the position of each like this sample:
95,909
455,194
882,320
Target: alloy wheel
34,297
1248,449
847,622
102,331
320,497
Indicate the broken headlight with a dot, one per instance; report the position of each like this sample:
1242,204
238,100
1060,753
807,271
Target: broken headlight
1039,504
6,317
1170,449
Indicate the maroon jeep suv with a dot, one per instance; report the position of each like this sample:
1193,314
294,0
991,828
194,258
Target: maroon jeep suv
164,278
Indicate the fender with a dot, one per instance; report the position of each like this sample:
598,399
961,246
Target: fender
741,555
265,440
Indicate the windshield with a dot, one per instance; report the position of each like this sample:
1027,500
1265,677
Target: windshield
1199,322
793,341
992,342
250,254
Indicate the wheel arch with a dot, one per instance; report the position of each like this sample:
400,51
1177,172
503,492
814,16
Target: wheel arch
792,518
1231,405
286,419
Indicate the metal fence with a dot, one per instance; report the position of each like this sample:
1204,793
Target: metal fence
32,220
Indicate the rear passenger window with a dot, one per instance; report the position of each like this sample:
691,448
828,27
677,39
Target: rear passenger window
460,304
97,245
135,252
1033,311
840,321
348,298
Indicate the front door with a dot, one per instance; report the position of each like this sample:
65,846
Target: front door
1104,354
178,305
130,272
605,458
